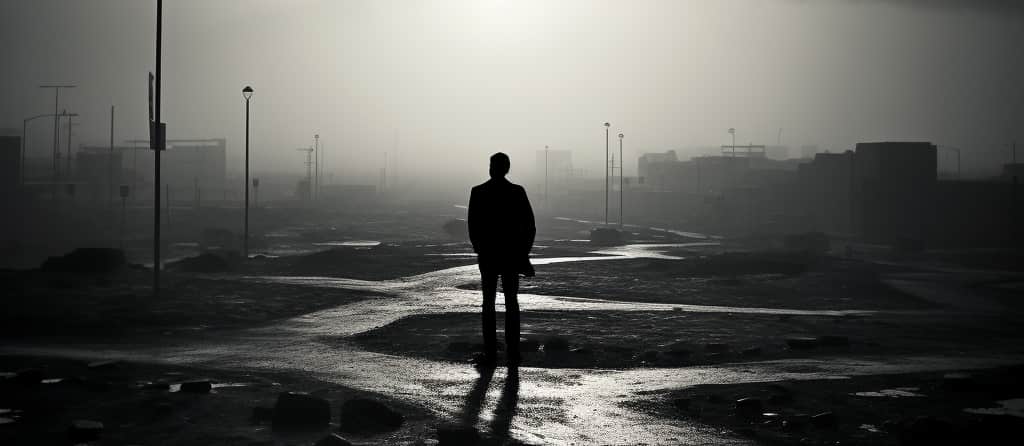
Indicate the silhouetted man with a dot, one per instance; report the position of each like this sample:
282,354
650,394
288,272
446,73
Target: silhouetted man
502,229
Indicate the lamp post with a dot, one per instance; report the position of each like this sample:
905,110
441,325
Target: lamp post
622,173
247,94
545,175
732,131
607,180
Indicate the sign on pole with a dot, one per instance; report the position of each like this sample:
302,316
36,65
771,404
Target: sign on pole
157,139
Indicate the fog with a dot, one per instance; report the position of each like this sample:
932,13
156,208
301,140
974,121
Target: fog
444,84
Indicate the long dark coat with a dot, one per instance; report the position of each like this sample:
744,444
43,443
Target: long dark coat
501,226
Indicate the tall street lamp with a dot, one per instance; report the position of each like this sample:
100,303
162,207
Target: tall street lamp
607,180
622,173
247,94
546,175
157,143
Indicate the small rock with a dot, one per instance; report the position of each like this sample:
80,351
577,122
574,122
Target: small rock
801,343
199,386
716,347
83,431
457,435
528,345
748,408
333,440
795,423
299,410
752,351
556,344
834,341
826,420
361,415
890,426
157,385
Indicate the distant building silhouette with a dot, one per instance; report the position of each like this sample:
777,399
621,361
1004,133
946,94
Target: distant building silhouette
895,190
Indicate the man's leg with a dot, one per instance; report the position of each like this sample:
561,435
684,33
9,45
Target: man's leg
510,286
489,285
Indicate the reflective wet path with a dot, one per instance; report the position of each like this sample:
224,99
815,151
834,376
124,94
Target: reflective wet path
553,406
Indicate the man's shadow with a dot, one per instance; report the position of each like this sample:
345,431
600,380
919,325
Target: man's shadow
506,408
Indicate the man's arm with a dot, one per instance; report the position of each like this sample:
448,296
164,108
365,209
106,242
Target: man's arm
529,225
472,219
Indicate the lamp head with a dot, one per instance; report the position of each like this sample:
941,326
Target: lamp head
247,92
621,136
607,124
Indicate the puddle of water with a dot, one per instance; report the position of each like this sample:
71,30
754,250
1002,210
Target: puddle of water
52,380
5,420
899,392
1013,408
355,243
174,388
871,428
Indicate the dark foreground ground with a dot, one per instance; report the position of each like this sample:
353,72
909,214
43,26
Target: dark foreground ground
947,408
143,404
199,303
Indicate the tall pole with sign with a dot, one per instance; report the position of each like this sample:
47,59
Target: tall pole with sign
156,142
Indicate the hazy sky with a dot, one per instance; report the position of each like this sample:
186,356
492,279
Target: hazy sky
453,81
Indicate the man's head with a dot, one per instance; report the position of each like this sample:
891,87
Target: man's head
499,165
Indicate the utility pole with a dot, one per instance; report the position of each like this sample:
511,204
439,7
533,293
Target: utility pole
622,173
607,180
309,171
316,170
67,162
110,164
56,118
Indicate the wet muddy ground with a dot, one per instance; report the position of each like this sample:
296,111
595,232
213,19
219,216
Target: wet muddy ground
934,408
397,320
